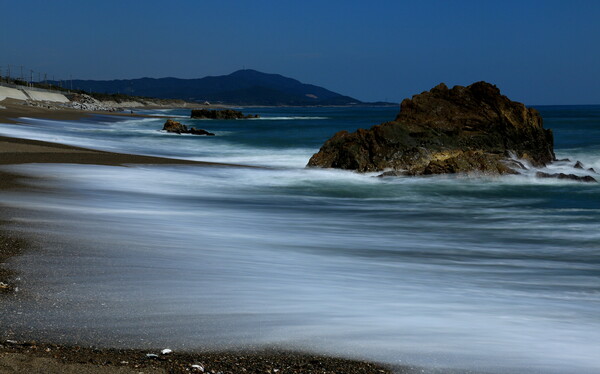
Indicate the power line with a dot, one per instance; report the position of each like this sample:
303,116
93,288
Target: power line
5,75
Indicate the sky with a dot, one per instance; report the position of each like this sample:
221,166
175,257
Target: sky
537,52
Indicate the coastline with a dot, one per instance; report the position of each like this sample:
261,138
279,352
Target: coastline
87,192
21,151
27,357
15,151
14,109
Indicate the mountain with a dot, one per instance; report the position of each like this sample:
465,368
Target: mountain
243,87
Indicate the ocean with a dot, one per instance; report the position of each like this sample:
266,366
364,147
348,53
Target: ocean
474,273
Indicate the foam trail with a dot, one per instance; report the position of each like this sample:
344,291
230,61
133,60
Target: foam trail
144,137
286,118
293,252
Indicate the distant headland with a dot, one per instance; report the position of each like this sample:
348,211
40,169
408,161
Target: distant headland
243,87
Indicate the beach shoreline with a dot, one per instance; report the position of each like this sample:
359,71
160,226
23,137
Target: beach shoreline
36,357
14,109
16,151
30,356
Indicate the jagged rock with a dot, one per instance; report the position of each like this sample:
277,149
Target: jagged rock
391,173
463,129
585,178
84,99
174,126
578,165
220,114
200,132
179,128
86,102
465,162
592,170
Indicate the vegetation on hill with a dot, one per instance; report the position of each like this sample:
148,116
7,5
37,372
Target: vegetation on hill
243,87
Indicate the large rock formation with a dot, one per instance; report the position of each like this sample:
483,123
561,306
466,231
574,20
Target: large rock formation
463,129
220,114
179,128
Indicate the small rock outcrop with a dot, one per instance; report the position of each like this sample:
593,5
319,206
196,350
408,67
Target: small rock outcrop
179,128
174,126
220,114
458,130
573,177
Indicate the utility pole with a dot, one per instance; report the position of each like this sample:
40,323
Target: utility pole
39,77
8,74
31,77
46,79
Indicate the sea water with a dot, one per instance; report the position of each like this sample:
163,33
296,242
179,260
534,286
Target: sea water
489,274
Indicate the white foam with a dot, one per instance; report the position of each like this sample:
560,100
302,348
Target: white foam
293,118
418,269
135,136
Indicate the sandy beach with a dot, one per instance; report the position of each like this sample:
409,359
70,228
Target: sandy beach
32,357
45,357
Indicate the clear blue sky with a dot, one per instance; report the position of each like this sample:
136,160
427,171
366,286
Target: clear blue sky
538,52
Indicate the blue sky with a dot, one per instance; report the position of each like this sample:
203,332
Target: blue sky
538,52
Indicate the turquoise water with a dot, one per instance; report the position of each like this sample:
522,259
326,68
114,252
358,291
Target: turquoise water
494,274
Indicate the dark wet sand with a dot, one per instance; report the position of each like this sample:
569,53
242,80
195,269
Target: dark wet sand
47,358
32,357
23,151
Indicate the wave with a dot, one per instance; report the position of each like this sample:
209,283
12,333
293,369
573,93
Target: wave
481,261
566,165
287,118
